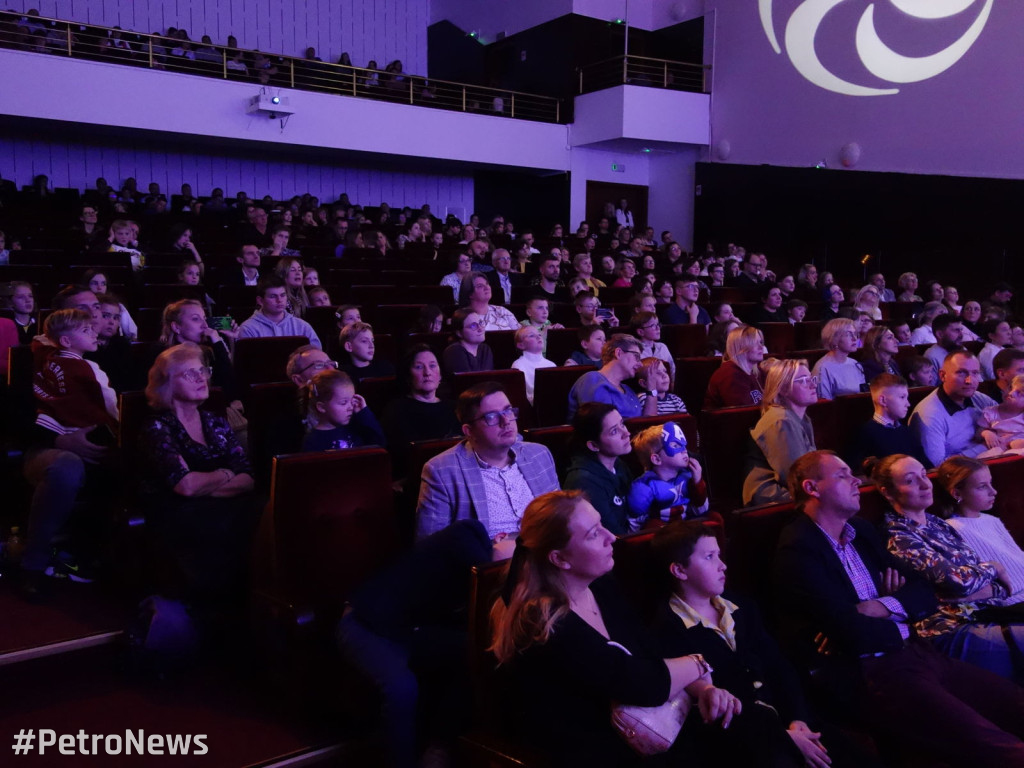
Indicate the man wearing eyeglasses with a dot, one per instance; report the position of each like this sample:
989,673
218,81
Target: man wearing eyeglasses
490,476
944,421
620,360
648,330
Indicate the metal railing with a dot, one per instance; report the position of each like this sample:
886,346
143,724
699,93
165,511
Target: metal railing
640,70
81,41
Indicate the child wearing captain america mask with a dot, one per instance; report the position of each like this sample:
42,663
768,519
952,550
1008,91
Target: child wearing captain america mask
672,485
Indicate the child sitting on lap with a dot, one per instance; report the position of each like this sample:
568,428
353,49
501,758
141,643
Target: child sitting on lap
672,485
1002,426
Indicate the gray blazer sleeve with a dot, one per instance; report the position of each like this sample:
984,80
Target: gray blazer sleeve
435,509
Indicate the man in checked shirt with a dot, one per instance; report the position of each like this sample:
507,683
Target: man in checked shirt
846,608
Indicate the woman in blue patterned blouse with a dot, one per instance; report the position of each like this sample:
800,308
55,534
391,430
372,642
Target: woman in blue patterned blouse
963,581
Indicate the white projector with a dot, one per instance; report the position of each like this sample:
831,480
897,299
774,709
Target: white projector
271,106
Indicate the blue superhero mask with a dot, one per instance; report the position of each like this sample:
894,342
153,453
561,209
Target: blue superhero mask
673,441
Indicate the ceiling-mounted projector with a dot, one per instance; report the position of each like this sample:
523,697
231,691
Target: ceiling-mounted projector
271,106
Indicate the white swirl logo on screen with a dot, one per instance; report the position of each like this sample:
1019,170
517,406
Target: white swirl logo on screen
879,59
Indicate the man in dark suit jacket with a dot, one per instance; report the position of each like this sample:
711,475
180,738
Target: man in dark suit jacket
846,609
503,279
248,270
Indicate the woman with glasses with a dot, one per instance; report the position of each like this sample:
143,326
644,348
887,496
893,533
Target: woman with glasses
867,300
462,264
620,360
782,434
185,321
880,349
837,372
469,351
475,294
197,483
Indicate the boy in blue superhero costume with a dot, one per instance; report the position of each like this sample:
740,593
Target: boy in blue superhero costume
672,485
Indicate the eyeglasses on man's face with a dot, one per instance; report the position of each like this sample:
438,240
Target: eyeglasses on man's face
493,418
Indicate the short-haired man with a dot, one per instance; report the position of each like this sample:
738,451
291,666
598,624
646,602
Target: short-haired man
949,333
684,309
755,266
847,606
248,270
272,318
547,284
1007,364
620,360
884,294
490,476
944,421
502,278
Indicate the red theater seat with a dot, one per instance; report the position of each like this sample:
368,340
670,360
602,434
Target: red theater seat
779,338
333,522
692,377
685,340
726,435
551,392
258,361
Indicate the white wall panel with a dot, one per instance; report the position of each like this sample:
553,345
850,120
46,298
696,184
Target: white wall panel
380,29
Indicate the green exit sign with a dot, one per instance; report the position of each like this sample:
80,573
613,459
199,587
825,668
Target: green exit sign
618,167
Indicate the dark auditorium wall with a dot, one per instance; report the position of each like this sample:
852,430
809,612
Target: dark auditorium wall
537,202
953,228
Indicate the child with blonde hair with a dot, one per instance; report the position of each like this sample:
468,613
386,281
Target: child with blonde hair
672,484
530,340
655,381
343,420
1002,425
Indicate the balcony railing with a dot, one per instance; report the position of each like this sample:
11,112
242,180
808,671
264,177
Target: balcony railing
63,38
639,70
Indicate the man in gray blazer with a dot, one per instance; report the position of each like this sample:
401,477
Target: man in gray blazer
490,476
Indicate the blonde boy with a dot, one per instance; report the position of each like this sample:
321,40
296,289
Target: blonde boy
357,340
531,341
672,485
537,311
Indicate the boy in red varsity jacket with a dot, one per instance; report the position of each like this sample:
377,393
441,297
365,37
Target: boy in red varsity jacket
77,414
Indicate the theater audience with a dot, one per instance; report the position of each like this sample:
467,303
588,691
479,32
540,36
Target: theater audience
907,283
837,373
962,581
923,333
879,353
886,434
198,488
475,295
469,351
560,618
944,421
672,484
592,340
356,340
965,491
490,476
949,332
599,441
736,382
272,317
782,434
342,417
1007,365
620,360
684,309
996,335
834,579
